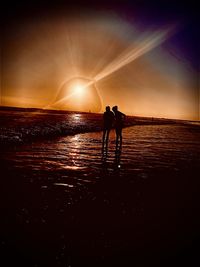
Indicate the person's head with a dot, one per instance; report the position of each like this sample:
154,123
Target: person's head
115,108
108,108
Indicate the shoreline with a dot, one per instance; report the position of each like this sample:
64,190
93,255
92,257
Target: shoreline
20,127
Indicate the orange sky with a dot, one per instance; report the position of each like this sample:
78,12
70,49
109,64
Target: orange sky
42,60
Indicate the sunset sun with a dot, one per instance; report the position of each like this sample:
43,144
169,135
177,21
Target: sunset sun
84,63
78,90
78,93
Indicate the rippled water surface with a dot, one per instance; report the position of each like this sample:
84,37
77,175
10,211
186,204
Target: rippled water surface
67,204
79,158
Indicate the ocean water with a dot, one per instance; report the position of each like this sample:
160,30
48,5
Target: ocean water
146,149
65,203
18,126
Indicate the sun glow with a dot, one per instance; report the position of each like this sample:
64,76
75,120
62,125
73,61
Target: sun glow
79,94
85,63
78,90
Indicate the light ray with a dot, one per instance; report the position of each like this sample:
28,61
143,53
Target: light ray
78,89
147,45
127,57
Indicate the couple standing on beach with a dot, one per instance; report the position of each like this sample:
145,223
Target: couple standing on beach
113,118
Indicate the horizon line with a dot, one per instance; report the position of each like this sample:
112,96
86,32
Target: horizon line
90,112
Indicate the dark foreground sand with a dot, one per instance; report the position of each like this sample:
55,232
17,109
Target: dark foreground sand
62,204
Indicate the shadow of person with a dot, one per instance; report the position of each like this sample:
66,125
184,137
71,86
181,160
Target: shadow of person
105,163
104,153
117,159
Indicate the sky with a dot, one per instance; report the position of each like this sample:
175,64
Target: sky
140,55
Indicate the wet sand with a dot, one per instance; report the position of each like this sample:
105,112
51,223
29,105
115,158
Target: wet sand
63,204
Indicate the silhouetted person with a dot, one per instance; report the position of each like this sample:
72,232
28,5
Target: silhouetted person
108,118
119,123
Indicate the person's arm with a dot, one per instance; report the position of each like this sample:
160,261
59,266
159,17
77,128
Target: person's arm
113,119
123,116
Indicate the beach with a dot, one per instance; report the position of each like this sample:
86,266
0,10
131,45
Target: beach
64,203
